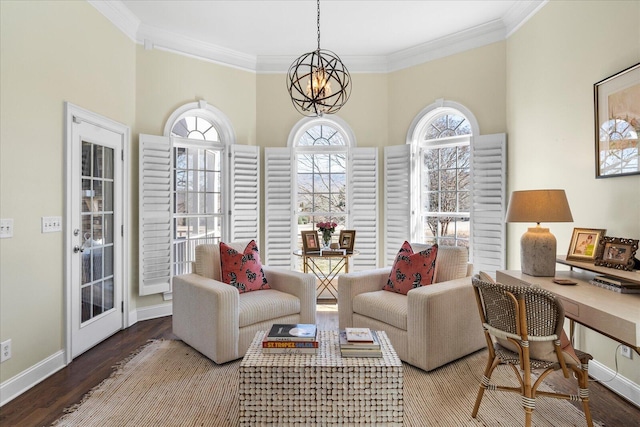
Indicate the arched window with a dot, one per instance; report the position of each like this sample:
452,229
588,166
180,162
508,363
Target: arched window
320,176
196,186
443,138
321,151
200,134
453,191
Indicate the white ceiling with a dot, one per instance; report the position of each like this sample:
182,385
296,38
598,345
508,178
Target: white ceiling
267,35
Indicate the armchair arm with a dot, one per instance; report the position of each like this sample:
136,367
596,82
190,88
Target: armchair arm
443,323
206,316
352,284
296,283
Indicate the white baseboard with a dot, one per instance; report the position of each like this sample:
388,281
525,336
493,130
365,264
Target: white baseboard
616,383
15,386
154,311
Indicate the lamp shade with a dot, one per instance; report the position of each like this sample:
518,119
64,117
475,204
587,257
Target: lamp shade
539,206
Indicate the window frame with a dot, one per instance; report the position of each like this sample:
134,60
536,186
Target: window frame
295,136
226,138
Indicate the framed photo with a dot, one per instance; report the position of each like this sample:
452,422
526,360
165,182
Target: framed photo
617,123
310,241
347,239
585,243
615,252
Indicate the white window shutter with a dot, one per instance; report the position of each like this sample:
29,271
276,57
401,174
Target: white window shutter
488,239
363,206
397,199
155,214
279,227
244,199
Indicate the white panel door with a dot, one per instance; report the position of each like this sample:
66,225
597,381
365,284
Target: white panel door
96,215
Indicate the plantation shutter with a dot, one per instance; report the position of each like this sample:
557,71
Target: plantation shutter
155,214
280,230
363,206
488,229
244,211
397,199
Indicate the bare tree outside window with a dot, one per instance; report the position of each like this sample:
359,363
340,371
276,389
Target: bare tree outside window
321,183
446,166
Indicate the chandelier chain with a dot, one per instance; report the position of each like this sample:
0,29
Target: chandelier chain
318,3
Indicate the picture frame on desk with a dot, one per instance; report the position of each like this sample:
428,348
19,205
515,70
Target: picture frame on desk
617,252
310,241
347,239
585,243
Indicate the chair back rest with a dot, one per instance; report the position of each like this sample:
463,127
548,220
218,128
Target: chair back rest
451,262
525,311
208,258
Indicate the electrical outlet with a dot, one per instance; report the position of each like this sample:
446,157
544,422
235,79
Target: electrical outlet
51,224
5,350
625,351
6,228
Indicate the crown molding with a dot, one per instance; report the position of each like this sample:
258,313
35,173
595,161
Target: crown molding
481,35
520,13
152,37
119,15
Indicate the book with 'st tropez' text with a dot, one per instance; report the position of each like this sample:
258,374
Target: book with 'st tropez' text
289,344
292,332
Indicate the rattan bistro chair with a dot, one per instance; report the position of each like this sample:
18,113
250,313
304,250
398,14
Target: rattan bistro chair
523,327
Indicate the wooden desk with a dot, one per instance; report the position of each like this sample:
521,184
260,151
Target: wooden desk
612,314
310,265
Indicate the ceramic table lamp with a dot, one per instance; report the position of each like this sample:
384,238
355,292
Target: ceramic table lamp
538,245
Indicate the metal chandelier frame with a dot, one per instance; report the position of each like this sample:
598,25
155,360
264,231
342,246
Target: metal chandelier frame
318,82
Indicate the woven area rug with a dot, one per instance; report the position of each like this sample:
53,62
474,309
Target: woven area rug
169,384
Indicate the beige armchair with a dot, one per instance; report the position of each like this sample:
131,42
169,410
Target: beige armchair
431,325
219,322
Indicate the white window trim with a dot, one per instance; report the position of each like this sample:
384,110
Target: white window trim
206,111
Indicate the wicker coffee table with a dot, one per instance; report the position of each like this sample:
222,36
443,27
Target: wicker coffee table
322,389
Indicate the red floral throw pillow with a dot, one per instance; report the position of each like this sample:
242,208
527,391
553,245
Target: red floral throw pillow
411,270
242,270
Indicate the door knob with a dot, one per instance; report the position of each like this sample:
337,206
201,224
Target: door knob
77,249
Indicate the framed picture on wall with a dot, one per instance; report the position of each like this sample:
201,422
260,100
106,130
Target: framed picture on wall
310,241
616,252
347,239
617,123
585,243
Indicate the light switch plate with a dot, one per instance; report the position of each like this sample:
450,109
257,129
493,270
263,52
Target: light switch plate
6,228
51,224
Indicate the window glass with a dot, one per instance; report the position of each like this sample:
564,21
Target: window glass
445,180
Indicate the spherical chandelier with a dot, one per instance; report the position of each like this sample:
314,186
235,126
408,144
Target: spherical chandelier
318,81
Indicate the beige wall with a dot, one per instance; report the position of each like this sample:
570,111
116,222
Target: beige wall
536,86
552,63
475,79
78,57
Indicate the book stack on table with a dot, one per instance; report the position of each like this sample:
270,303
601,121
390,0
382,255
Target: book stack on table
298,338
359,342
616,285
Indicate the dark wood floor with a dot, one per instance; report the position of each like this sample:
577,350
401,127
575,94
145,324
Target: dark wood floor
46,402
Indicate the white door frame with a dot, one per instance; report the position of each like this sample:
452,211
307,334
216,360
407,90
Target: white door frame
74,113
